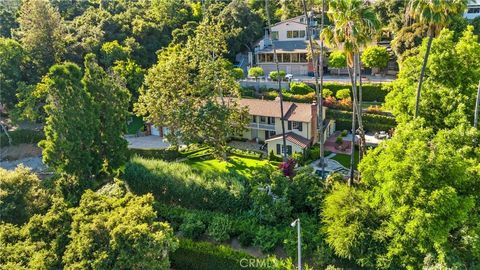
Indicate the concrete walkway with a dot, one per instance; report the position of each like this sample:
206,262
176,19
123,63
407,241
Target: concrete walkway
330,166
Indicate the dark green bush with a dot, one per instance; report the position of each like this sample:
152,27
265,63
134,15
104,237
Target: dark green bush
300,89
206,256
192,226
179,184
370,92
267,238
20,136
371,122
220,228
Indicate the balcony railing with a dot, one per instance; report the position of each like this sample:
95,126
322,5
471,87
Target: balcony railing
262,126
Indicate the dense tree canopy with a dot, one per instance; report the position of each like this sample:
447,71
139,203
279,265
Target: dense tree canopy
448,97
418,197
194,85
41,32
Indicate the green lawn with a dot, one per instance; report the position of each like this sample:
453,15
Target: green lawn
344,159
240,165
135,125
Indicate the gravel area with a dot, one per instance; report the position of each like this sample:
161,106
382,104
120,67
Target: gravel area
35,163
147,142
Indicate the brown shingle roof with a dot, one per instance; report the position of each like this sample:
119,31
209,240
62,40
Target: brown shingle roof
293,138
300,112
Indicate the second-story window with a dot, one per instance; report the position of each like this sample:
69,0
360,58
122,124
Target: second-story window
254,118
263,119
296,34
297,125
274,35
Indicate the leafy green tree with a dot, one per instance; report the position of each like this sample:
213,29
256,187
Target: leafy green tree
70,124
112,52
110,101
132,73
417,198
375,57
118,233
41,33
275,76
87,33
12,61
337,59
243,25
435,15
8,11
21,196
194,85
449,97
237,73
408,38
256,72
181,35
306,191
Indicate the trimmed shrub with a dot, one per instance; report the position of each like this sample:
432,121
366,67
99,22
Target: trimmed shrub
20,136
372,122
300,89
343,94
327,93
275,75
370,92
344,133
339,140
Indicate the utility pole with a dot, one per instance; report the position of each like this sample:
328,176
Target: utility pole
299,242
318,88
280,95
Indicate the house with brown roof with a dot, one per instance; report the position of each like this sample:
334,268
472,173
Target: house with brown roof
300,124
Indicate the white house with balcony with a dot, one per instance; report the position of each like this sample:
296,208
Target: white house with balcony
473,10
290,38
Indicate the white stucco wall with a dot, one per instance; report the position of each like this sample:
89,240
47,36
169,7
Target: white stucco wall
282,29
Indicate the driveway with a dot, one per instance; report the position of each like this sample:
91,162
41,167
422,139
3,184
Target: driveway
147,142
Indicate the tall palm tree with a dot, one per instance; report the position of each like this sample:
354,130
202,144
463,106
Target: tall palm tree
354,23
435,14
318,64
280,95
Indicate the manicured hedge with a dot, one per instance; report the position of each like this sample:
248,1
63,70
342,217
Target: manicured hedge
20,136
370,92
371,122
206,256
179,184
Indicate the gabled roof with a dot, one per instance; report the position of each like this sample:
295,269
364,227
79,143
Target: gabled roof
293,138
290,46
290,20
300,112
